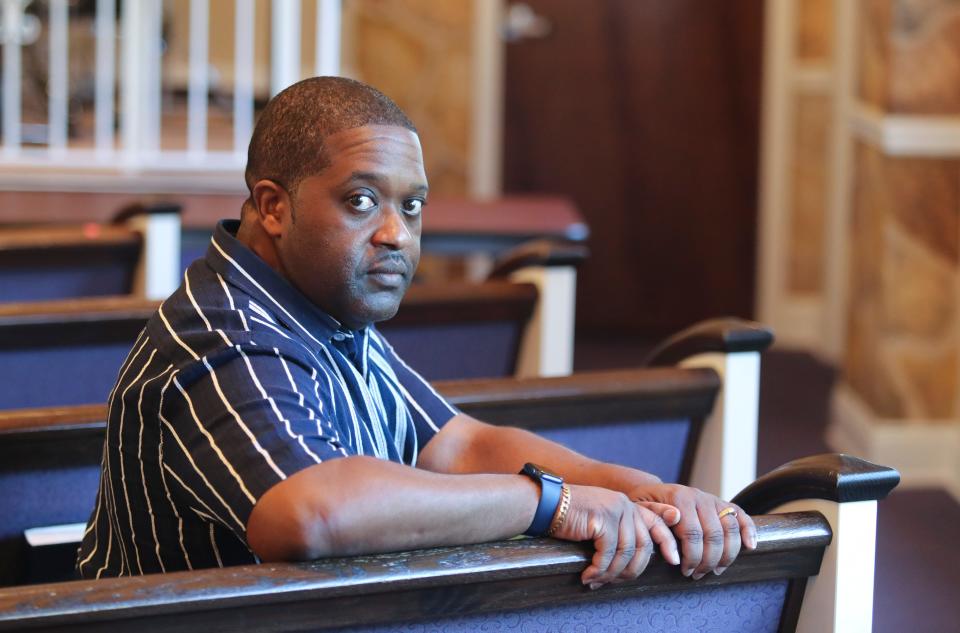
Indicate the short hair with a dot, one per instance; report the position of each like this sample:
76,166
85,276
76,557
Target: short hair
288,141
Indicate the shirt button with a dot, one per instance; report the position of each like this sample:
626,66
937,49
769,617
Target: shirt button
339,337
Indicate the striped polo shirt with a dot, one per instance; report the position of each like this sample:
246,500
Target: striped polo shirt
236,383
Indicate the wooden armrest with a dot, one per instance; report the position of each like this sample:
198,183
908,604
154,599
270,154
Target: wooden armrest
625,394
831,476
59,421
388,588
57,238
725,335
542,252
70,321
139,208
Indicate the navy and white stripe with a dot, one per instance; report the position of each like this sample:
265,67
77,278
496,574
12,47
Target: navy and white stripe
235,384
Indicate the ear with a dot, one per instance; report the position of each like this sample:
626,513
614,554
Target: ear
273,206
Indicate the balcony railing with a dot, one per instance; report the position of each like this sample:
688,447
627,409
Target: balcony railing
125,95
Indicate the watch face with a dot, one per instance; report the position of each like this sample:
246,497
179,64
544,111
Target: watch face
539,472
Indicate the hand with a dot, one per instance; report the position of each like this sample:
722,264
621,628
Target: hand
622,532
708,542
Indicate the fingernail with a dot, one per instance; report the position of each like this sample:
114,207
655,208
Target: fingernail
719,570
699,576
595,585
687,572
674,557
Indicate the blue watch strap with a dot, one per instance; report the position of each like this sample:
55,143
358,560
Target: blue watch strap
551,488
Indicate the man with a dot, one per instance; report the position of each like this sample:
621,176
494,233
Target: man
260,416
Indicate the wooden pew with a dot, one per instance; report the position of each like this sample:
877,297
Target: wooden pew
649,418
530,585
68,352
138,255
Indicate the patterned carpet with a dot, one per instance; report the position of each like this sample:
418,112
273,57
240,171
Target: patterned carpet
917,587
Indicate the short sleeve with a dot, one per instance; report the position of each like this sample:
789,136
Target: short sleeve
236,423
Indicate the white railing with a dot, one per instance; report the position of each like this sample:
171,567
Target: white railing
138,152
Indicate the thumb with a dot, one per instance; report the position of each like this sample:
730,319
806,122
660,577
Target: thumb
670,514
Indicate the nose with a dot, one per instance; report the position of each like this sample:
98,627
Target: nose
393,231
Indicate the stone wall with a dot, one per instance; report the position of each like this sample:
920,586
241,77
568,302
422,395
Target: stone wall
812,110
903,343
420,53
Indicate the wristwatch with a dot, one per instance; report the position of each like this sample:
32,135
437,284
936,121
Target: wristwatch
551,488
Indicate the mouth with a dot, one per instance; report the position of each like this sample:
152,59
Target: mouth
389,274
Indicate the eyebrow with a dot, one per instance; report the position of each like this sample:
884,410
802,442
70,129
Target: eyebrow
379,180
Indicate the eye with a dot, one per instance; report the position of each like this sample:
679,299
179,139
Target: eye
361,201
413,206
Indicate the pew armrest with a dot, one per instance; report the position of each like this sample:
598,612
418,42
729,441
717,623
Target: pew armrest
832,477
724,335
124,214
388,588
542,252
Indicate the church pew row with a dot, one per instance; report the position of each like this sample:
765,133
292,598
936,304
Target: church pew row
648,418
811,573
137,254
68,352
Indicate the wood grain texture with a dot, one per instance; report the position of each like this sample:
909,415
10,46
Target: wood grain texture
385,588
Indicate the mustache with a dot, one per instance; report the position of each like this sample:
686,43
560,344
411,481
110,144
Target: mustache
392,262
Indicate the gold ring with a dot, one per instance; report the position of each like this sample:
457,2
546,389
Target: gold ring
728,510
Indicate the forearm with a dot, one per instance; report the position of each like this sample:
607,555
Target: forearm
476,447
361,505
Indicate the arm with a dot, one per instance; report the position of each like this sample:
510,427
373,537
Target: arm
709,543
358,505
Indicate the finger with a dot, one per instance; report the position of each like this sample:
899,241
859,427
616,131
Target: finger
731,542
661,535
644,543
605,539
690,533
748,529
626,548
712,539
669,513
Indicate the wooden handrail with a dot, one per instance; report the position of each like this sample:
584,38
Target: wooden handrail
367,590
689,392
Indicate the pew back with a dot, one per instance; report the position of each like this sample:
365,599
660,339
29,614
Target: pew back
45,263
60,353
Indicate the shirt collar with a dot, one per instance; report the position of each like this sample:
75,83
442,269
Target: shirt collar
244,268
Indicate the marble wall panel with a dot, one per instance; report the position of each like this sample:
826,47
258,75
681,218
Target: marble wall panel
814,30
863,367
809,173
419,52
924,62
873,50
903,342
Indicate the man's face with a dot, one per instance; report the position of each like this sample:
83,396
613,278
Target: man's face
353,243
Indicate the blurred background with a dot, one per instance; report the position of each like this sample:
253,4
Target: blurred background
796,162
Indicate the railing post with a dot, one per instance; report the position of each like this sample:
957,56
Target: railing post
12,27
57,110
284,44
243,76
328,37
199,88
105,74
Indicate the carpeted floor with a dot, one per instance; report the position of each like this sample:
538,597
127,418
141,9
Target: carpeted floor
917,586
